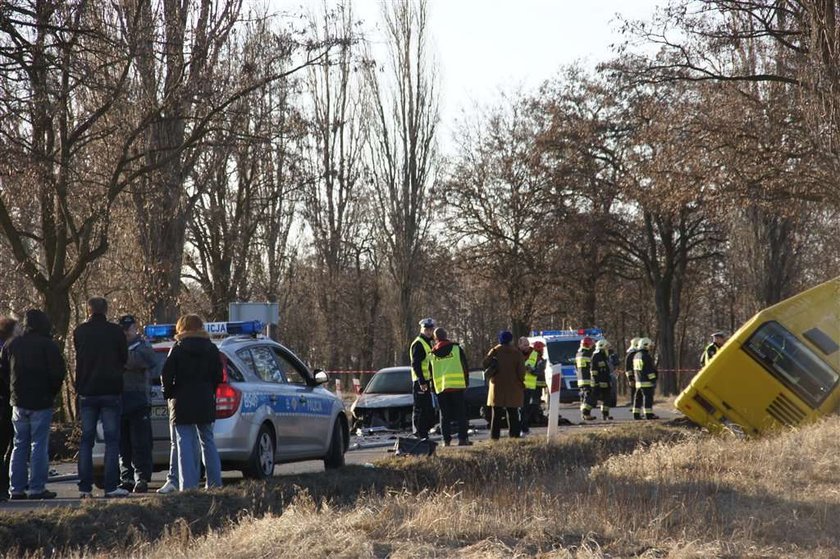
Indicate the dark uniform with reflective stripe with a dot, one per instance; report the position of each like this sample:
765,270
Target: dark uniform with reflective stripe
630,374
601,381
645,371
423,415
583,364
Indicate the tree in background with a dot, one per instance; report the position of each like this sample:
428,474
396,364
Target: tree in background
402,151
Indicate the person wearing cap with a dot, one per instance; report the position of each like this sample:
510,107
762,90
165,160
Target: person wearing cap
135,423
191,373
506,392
420,352
718,339
101,353
451,378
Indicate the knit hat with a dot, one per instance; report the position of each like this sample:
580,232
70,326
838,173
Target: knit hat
505,337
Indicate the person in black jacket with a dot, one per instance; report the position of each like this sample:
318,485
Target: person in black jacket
8,328
101,354
34,368
191,372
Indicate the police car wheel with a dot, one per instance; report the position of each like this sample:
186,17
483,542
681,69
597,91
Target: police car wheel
261,463
335,454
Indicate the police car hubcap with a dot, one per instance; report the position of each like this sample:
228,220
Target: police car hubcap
266,454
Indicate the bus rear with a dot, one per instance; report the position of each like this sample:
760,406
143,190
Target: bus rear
780,369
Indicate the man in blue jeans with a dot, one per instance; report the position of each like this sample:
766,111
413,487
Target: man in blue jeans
34,369
101,354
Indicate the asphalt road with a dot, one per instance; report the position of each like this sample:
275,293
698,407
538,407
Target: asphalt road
363,450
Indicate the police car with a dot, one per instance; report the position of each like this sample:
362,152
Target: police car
561,346
270,408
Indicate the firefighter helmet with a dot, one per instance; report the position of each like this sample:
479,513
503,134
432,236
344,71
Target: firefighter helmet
602,345
645,343
634,343
587,342
539,346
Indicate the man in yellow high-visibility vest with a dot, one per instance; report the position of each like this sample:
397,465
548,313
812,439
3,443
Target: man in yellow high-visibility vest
531,357
451,378
420,352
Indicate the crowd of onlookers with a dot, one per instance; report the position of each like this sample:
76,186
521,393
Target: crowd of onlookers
114,368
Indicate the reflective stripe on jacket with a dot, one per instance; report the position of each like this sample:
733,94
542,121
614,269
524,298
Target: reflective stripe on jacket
448,370
530,366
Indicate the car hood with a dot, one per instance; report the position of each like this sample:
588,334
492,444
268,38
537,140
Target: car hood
384,401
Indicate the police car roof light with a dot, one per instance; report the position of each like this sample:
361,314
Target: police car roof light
247,327
569,333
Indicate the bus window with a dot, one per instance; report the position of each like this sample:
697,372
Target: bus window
791,362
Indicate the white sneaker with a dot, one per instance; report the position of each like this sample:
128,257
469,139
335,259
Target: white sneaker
167,488
118,492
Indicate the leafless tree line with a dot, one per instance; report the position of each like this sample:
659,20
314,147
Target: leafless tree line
180,155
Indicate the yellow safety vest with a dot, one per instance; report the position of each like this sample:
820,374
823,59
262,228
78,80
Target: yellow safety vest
530,363
426,364
448,371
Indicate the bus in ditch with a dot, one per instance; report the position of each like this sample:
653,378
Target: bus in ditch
780,369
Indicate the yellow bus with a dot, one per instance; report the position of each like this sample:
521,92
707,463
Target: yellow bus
779,369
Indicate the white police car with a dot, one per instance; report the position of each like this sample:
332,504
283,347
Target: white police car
561,347
270,409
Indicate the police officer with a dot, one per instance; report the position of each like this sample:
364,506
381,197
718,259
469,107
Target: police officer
628,368
645,371
718,339
451,377
135,421
583,363
531,357
422,417
601,370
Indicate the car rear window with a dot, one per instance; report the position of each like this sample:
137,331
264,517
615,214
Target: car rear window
392,382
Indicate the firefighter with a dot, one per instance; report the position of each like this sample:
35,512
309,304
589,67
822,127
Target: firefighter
420,352
531,357
583,362
602,377
628,369
645,371
718,339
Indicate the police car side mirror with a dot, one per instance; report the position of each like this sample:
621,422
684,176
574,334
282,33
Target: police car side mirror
321,377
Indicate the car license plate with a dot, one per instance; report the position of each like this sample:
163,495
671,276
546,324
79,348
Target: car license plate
159,412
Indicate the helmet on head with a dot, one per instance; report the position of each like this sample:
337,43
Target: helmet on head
645,343
587,342
538,345
602,345
634,343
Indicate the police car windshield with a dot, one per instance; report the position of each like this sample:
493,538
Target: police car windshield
562,351
390,382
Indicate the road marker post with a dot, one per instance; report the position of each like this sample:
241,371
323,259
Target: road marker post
553,381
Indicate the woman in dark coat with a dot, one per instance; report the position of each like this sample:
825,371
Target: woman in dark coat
190,375
507,385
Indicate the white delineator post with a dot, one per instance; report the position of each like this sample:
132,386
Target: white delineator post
357,386
553,382
338,388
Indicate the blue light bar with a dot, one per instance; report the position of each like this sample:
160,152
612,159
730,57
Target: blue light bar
159,330
247,327
569,333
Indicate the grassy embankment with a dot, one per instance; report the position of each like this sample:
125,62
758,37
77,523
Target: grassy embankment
632,490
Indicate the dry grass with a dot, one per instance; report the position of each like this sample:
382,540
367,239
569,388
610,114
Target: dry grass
638,491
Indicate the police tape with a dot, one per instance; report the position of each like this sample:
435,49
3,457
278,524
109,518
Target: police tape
349,372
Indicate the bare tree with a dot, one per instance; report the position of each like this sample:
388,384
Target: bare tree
337,122
403,154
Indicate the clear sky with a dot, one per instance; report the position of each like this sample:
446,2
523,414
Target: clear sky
487,46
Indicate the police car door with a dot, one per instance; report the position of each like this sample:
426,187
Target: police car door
312,407
276,396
